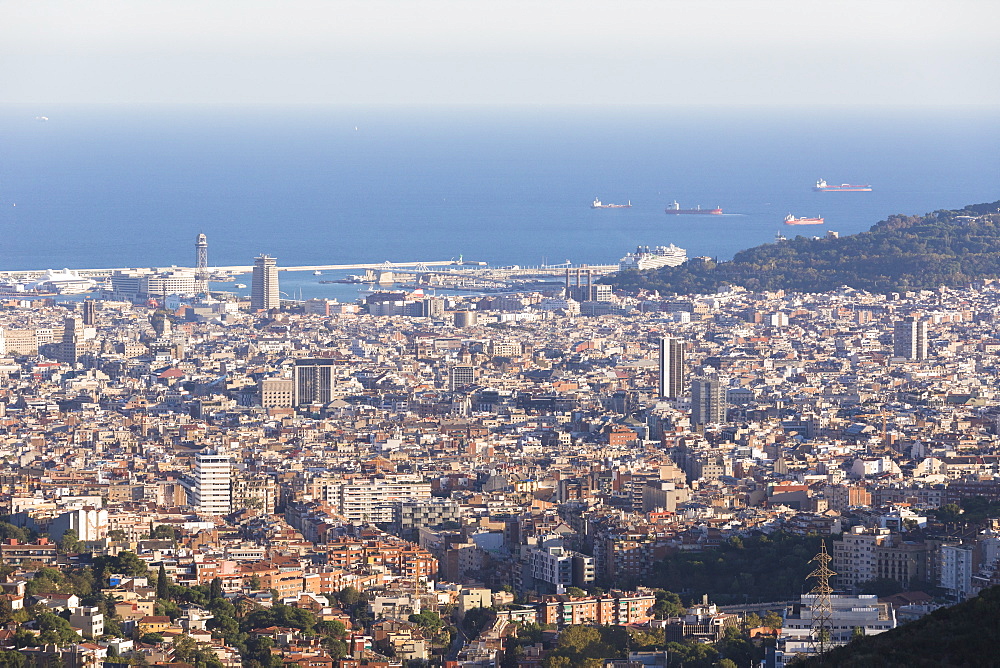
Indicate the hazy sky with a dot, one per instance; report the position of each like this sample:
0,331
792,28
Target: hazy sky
908,52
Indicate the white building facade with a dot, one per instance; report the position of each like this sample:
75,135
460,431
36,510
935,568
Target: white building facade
212,489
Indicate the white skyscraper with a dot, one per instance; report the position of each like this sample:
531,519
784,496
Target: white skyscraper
212,489
264,293
909,339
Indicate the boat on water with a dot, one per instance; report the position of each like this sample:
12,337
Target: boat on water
792,220
824,187
676,209
598,204
317,273
646,258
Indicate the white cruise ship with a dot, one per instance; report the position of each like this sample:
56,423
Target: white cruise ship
645,258
63,282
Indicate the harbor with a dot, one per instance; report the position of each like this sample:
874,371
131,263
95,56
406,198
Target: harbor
447,275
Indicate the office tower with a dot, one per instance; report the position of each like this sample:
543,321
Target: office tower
671,368
909,339
314,381
277,392
465,318
201,262
72,340
89,312
212,488
264,291
708,401
461,375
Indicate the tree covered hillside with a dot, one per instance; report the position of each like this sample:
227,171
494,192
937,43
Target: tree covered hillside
948,248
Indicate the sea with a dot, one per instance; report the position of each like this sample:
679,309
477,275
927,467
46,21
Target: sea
132,186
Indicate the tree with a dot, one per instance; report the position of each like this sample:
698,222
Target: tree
427,619
215,589
949,513
331,628
580,642
8,531
24,638
117,535
185,647
773,620
881,587
70,542
113,628
259,649
647,640
126,563
476,620
767,567
668,604
12,659
337,649
55,629
48,580
349,597
737,647
529,633
164,532
150,638
280,615
162,586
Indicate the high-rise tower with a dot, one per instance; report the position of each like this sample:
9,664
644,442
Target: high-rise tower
671,368
89,312
909,339
212,489
72,340
708,401
314,381
264,290
201,262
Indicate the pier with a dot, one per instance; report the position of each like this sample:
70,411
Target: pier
428,268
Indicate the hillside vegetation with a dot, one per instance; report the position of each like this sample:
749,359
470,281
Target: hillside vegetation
754,568
950,248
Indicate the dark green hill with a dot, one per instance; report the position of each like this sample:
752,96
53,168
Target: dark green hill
967,634
950,248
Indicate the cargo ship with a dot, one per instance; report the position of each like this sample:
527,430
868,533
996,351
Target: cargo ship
600,205
792,220
824,187
676,209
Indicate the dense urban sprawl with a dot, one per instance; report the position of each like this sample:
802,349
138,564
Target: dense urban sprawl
471,481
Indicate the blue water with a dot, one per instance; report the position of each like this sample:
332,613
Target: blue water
116,186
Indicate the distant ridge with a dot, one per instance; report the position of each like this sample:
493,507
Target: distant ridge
949,248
